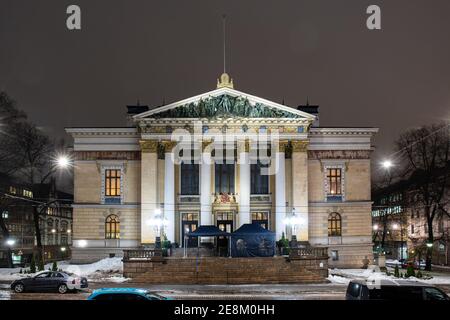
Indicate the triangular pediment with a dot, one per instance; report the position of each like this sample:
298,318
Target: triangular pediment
224,103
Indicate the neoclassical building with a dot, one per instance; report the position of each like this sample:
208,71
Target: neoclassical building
222,158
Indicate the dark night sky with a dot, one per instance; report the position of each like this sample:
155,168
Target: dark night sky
393,79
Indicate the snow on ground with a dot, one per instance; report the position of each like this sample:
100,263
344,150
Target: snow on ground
372,274
108,269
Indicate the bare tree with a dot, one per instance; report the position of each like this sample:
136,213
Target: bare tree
425,153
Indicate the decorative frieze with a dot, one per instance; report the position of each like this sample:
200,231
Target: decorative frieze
339,154
106,155
149,145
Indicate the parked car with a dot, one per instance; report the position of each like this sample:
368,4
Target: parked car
50,281
393,290
416,264
106,294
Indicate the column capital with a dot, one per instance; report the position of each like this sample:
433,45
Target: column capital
299,145
148,146
282,145
168,145
244,146
205,144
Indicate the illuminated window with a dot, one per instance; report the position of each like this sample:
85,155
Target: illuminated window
12,190
261,218
112,227
112,182
27,193
334,225
334,176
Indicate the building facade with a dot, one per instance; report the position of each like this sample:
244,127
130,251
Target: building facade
222,158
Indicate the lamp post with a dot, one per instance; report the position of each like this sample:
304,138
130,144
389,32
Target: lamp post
158,223
293,221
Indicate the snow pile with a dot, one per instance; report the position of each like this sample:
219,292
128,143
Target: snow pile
108,269
373,274
10,274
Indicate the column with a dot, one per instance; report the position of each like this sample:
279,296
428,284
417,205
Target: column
149,187
205,185
280,190
169,189
244,183
300,187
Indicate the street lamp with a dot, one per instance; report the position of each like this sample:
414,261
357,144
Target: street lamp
387,164
158,222
395,226
63,161
429,244
375,227
293,221
10,242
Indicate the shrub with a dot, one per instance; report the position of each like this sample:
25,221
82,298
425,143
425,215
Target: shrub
54,266
410,271
396,271
419,274
33,265
41,266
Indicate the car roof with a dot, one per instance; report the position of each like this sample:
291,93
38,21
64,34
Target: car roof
120,290
394,283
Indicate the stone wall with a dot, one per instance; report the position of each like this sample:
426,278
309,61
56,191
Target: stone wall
214,270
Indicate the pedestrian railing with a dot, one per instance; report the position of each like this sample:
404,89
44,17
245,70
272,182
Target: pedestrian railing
143,255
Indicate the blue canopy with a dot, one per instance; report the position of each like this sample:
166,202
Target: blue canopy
252,240
208,231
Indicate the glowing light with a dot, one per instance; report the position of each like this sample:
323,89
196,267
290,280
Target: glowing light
387,164
429,244
69,231
375,227
53,230
63,249
82,243
395,226
10,242
63,161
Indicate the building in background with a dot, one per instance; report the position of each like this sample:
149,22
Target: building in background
390,221
399,208
55,223
18,219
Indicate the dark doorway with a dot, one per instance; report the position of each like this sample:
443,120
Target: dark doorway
189,223
224,223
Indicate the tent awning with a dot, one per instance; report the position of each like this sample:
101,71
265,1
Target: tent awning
252,229
208,231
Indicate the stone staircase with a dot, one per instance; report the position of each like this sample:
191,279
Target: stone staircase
216,270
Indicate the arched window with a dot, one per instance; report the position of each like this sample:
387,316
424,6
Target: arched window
334,225
112,227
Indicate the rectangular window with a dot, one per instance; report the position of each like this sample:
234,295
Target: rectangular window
189,179
261,218
259,182
224,178
112,182
334,177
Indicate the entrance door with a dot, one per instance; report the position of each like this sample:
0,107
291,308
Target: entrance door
189,223
225,221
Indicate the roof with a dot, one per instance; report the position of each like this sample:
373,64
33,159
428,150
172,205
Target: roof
252,228
396,283
225,91
120,290
207,231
